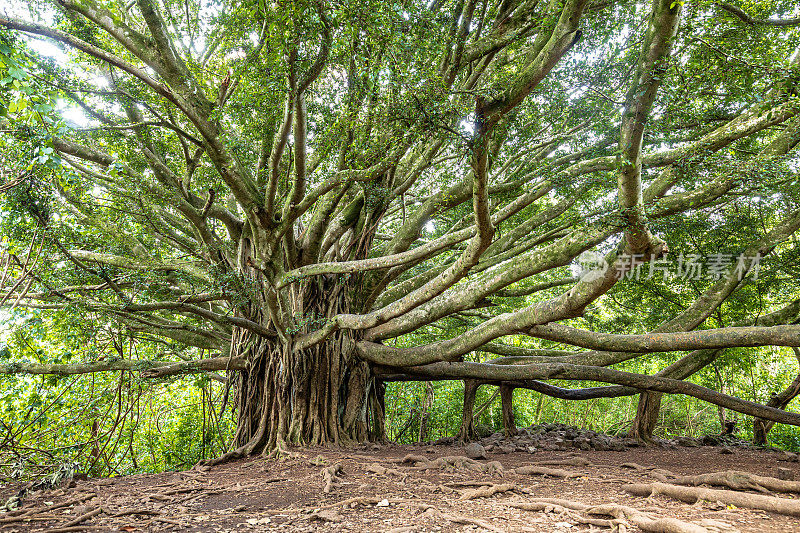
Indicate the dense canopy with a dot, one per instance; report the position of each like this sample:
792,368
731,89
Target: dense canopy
322,197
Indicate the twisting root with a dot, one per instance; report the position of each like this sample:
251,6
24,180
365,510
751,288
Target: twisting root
739,499
488,491
330,476
622,517
576,460
453,462
733,479
533,470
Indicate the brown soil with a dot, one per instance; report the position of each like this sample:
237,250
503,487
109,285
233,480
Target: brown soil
260,495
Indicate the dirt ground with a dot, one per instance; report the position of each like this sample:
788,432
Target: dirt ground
376,492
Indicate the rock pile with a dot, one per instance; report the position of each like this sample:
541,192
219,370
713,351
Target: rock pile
555,437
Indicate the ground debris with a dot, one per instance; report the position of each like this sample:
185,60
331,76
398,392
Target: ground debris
435,489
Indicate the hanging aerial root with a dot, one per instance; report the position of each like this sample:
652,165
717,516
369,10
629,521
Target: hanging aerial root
727,497
622,517
732,479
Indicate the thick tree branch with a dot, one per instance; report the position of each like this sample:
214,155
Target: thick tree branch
147,369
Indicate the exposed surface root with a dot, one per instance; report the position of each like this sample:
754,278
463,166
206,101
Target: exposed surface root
622,517
453,462
382,470
330,476
535,470
487,491
224,458
727,497
459,519
637,467
569,461
733,479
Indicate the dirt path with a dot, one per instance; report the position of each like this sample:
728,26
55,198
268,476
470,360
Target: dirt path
372,490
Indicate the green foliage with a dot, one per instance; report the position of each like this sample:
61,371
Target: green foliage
130,194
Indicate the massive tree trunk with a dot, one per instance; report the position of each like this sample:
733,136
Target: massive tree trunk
304,396
314,396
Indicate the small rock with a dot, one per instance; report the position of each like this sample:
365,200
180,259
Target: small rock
531,449
507,448
265,520
325,515
473,450
383,503
240,508
787,474
790,457
687,442
483,430
726,450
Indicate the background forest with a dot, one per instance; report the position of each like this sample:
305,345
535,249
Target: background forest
118,423
720,93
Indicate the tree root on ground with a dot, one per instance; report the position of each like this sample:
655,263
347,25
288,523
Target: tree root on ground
330,475
487,491
19,515
727,497
733,479
453,462
433,512
569,461
637,467
382,470
622,517
495,467
70,526
535,470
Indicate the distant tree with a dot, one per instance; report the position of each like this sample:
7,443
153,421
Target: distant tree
308,188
